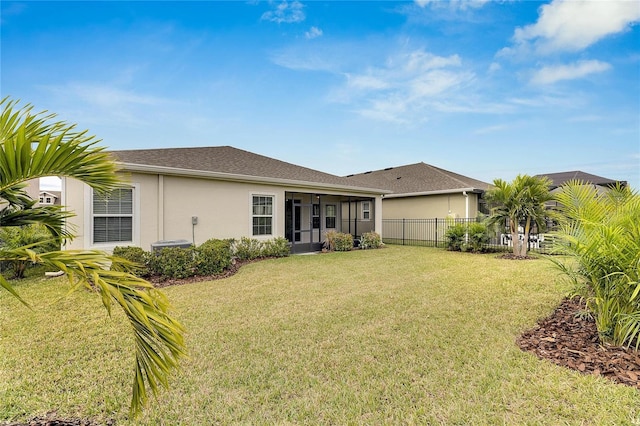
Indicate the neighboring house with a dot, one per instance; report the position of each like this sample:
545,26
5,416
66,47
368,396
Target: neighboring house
601,183
221,192
422,191
49,198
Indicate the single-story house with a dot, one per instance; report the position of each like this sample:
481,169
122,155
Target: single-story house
422,191
220,192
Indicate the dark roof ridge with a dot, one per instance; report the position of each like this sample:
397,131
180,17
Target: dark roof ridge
386,169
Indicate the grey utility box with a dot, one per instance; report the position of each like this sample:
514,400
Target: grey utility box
170,243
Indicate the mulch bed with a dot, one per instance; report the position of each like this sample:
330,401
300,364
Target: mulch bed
570,339
51,419
159,282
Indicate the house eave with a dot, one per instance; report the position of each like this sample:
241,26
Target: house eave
437,192
173,171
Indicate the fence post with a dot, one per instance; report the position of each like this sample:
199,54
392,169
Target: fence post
436,232
403,220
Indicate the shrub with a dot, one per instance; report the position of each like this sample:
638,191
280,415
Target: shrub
213,256
247,248
137,256
173,262
330,240
478,236
343,242
454,237
370,240
36,236
277,247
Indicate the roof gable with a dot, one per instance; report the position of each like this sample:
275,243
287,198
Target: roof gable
417,178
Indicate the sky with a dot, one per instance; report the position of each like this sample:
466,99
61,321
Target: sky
487,89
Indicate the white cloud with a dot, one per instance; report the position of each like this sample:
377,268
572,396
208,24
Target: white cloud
102,103
494,67
406,87
50,182
573,25
452,4
313,32
491,129
552,74
366,82
285,12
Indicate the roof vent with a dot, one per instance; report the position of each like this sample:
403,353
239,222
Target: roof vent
366,173
350,175
399,177
389,168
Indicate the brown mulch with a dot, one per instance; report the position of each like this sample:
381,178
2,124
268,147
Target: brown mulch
512,256
51,419
569,338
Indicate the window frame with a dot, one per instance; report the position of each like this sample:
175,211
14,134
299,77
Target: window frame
366,213
89,225
328,217
253,215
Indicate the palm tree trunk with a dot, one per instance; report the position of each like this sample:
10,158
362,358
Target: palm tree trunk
513,227
525,241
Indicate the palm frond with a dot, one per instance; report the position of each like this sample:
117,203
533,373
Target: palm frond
31,146
34,146
159,337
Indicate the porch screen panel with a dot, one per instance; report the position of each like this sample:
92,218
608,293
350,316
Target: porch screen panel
262,212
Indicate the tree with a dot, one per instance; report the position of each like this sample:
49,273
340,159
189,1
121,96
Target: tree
520,203
34,146
601,234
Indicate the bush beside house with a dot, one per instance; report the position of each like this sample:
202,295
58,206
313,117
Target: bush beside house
212,257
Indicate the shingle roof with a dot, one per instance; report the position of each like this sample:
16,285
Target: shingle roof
227,159
558,179
417,178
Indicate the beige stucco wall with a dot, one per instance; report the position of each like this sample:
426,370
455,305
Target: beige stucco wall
430,206
164,206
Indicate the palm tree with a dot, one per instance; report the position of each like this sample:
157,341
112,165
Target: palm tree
600,232
520,203
33,146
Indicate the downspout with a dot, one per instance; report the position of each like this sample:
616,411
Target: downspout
466,204
160,207
466,215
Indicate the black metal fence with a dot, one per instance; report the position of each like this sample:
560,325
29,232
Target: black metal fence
431,233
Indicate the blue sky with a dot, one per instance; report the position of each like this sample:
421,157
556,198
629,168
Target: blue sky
488,89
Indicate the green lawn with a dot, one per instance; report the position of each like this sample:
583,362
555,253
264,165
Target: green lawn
403,335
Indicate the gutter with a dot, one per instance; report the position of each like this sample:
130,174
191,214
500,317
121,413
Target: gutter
439,192
173,171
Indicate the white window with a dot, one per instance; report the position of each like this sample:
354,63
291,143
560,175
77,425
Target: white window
48,200
330,215
112,220
366,210
262,214
41,199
